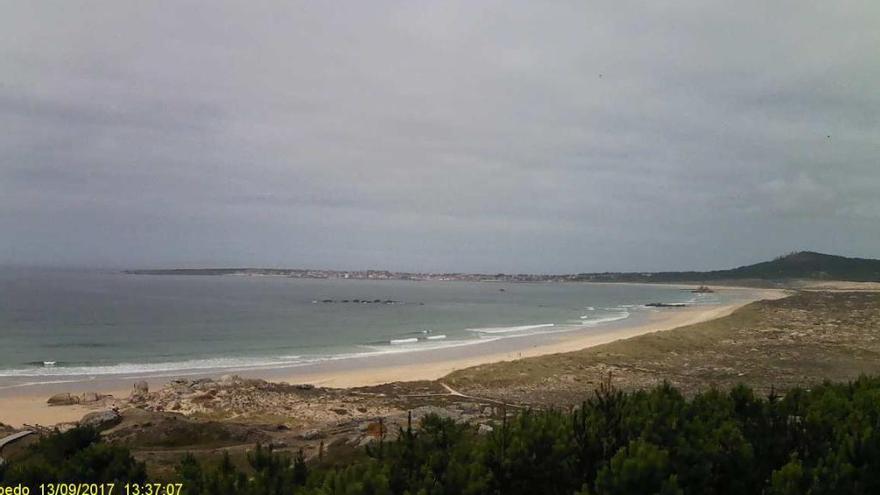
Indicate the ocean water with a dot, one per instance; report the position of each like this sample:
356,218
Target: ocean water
58,324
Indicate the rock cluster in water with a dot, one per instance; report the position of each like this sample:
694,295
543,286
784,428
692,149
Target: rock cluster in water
358,301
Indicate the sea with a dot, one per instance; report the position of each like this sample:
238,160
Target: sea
67,325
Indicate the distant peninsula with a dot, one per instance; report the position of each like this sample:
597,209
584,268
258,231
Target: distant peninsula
803,265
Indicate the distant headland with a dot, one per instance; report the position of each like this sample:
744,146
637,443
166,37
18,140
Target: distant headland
802,265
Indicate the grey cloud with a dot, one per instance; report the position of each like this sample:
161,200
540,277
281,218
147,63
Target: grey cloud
479,136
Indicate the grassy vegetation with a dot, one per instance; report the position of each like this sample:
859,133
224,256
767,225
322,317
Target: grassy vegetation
796,341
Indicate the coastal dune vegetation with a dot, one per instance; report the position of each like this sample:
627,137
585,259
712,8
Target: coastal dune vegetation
655,441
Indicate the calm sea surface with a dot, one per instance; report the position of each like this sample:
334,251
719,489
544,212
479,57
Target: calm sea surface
56,324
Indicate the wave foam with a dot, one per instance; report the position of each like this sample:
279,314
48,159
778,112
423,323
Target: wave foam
523,328
47,371
606,319
56,374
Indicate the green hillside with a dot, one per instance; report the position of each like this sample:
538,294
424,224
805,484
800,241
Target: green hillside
804,265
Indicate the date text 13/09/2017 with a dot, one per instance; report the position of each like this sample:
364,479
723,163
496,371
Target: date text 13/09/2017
94,489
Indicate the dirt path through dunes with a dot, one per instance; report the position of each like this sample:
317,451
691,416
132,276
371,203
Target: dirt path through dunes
456,393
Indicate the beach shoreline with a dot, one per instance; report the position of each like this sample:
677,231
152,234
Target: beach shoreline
27,405
657,322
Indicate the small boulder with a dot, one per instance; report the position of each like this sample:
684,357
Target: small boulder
140,391
485,429
100,419
310,435
90,397
230,379
64,399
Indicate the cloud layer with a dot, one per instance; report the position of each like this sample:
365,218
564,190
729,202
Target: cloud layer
472,136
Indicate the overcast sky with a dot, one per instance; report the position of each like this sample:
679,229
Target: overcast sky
471,136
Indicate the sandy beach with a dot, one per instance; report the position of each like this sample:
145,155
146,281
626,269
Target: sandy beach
433,370
27,405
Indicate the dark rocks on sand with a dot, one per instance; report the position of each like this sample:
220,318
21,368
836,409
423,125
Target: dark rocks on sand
67,399
64,399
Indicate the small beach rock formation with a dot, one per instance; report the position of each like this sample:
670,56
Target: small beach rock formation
358,301
140,392
64,399
294,415
101,419
68,399
140,388
250,399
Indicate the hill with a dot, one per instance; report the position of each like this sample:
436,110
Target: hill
803,265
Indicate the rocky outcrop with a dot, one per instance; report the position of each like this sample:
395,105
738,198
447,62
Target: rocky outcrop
91,399
140,392
64,399
310,435
296,415
101,419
